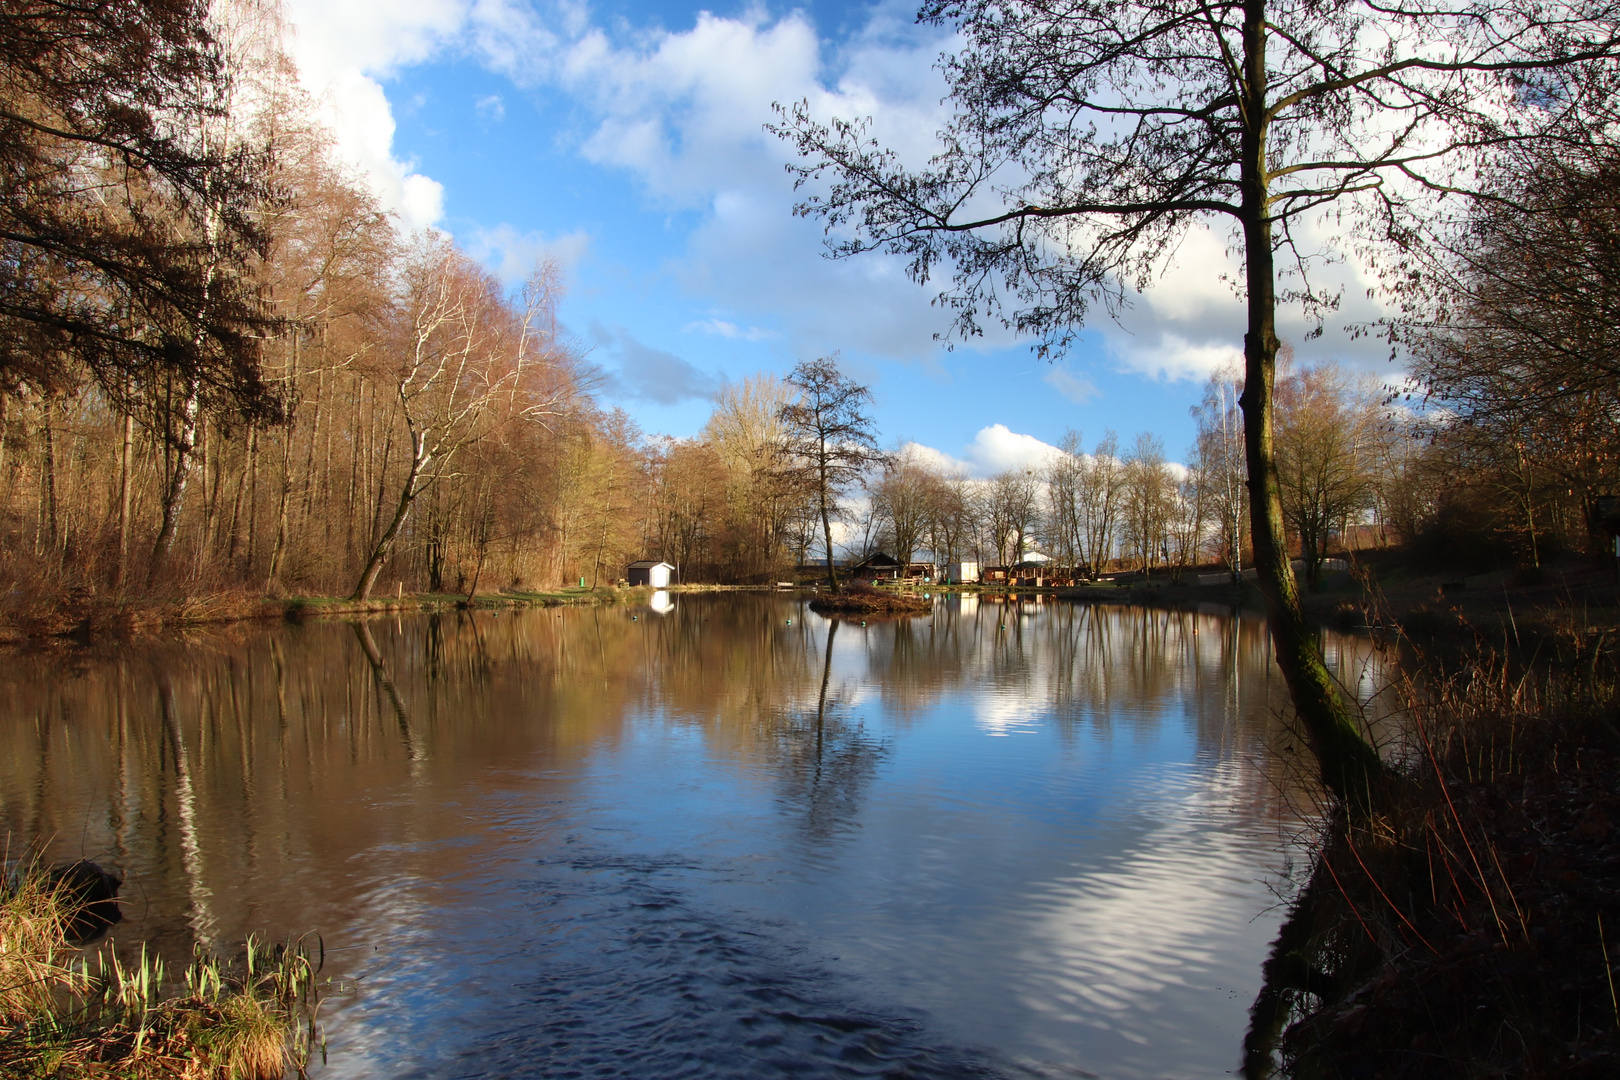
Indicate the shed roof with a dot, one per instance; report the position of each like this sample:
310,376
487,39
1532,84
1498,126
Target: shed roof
878,558
648,564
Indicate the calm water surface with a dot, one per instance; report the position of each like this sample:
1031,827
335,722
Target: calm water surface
723,838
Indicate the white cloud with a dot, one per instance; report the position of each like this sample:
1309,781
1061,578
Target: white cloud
997,448
490,109
938,460
1191,320
1075,388
648,374
994,449
722,328
342,48
513,255
359,115
682,112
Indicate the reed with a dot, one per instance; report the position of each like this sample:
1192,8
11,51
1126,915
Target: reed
67,1013
1463,932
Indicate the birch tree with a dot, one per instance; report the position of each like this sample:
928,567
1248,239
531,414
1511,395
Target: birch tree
460,370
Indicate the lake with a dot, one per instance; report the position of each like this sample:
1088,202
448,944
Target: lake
714,836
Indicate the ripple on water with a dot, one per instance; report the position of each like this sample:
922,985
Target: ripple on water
659,987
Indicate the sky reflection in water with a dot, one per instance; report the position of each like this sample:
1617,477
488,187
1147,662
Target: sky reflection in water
1006,840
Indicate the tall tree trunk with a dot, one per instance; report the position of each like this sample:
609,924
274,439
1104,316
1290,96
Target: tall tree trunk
126,458
182,443
283,507
284,498
234,544
385,543
49,511
826,521
1349,767
253,503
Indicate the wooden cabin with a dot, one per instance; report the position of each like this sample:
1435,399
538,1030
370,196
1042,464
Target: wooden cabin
654,572
878,566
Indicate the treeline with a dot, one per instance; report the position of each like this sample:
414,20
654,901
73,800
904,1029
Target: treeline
732,505
222,364
1515,332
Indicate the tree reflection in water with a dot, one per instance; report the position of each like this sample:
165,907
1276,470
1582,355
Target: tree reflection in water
828,760
471,807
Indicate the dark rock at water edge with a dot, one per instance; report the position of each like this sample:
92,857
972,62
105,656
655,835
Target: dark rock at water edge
91,895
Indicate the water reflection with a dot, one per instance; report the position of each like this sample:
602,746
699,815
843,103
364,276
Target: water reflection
1011,839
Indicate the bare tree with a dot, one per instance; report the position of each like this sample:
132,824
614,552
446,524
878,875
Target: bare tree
1064,530
1088,138
764,494
1101,483
1517,338
128,228
1326,433
830,437
1015,507
1150,490
1187,520
904,496
461,370
1220,458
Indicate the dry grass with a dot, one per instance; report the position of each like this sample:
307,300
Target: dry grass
66,1015
32,939
1473,929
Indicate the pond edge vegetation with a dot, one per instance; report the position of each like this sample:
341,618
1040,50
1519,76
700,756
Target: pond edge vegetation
67,1013
1462,925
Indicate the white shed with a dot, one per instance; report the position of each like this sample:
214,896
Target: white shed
962,572
649,572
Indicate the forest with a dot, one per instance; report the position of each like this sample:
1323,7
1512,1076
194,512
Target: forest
224,366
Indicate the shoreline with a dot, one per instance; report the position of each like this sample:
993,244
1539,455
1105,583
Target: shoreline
1557,610
88,619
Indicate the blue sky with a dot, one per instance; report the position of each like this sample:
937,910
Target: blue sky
625,139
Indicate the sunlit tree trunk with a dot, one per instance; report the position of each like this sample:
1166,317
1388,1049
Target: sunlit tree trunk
407,496
826,518
1350,768
126,458
49,512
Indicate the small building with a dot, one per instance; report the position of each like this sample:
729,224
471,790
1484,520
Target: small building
878,565
962,573
649,572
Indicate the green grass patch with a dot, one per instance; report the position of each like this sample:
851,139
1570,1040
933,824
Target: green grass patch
66,1013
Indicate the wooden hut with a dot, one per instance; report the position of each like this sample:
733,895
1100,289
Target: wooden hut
652,572
878,565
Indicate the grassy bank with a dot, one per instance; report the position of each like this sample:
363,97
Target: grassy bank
27,618
68,1013
1473,929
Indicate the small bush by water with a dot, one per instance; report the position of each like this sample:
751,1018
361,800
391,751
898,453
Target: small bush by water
861,598
65,1014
